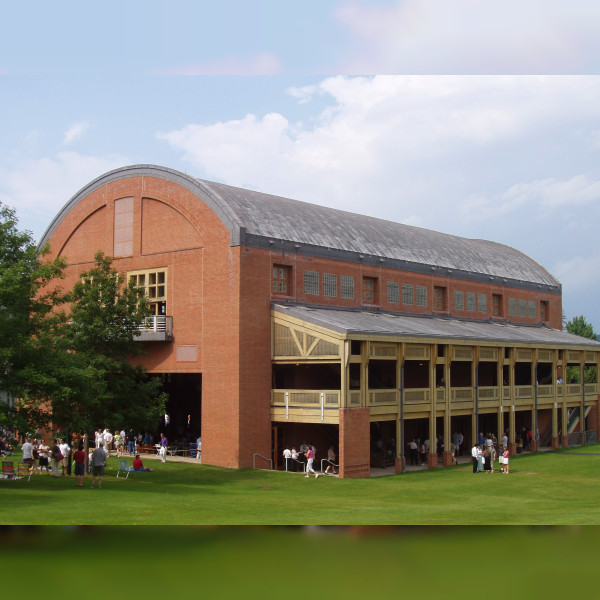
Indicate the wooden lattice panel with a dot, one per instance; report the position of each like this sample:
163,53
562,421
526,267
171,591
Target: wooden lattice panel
416,351
383,351
545,355
488,354
523,354
462,353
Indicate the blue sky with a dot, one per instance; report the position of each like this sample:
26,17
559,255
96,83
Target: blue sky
474,118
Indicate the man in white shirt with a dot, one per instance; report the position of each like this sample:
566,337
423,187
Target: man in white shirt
65,449
107,436
287,458
475,456
199,448
27,449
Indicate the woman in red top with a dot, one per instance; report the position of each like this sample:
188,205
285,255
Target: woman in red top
79,458
138,465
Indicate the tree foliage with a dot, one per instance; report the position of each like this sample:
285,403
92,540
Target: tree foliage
29,314
68,357
103,322
579,326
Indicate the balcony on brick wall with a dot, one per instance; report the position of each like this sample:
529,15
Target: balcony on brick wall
156,329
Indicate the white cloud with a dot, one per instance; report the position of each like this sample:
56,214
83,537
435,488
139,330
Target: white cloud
261,64
75,132
472,36
577,273
39,188
400,140
548,194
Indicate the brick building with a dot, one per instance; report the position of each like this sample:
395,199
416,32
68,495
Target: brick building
278,321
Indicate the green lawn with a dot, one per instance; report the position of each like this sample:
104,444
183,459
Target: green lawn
542,489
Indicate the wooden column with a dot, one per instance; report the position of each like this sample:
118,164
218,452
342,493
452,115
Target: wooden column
432,459
512,446
555,439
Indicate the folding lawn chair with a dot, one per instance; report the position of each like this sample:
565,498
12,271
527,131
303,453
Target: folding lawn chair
8,470
24,470
123,468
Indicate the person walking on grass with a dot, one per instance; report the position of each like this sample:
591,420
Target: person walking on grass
98,464
163,447
310,457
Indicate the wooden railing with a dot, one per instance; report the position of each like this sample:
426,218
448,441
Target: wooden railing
305,398
383,397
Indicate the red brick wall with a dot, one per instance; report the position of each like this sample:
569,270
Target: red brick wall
219,298
355,442
301,263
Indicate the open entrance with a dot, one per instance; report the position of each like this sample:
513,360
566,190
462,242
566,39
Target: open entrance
294,435
184,408
383,444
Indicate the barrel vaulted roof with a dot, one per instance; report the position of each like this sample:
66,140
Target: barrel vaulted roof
264,220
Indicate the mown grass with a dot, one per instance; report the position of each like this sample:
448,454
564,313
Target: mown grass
554,488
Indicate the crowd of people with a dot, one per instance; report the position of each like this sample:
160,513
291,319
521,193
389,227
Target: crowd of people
485,451
303,460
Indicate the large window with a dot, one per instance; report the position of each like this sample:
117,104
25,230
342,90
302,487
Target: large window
497,309
369,290
544,310
481,303
470,301
408,294
522,308
421,295
393,292
439,298
531,309
311,283
347,286
154,283
459,300
282,279
329,284
512,307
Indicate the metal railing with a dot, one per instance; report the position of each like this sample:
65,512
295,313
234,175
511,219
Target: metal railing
270,460
156,324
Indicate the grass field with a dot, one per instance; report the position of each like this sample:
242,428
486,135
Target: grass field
542,489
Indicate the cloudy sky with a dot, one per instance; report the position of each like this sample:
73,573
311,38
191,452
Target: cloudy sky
474,118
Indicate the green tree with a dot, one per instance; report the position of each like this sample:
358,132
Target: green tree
579,326
103,323
29,311
71,367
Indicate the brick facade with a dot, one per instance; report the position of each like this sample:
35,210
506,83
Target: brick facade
219,293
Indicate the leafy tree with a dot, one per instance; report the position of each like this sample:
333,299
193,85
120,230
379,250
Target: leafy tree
72,368
28,313
104,321
579,326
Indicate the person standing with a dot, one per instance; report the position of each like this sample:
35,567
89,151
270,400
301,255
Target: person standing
163,447
412,446
65,450
43,460
295,460
98,464
474,456
107,437
199,448
56,458
330,460
79,458
287,458
27,449
118,442
505,455
131,441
